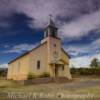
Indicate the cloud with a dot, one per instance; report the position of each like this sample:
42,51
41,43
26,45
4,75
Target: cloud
81,26
3,65
76,50
40,9
83,61
4,24
83,54
96,43
20,48
75,19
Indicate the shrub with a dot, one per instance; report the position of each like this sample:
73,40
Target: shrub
85,71
45,74
73,71
97,71
31,76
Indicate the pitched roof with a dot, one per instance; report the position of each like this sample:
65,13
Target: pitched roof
31,51
26,53
65,52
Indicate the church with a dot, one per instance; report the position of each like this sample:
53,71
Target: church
48,57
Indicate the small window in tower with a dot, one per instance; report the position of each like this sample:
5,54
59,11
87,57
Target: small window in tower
46,34
38,64
54,45
63,67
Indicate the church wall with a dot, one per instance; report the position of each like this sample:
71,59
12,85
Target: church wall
39,54
66,72
64,56
60,71
43,53
18,69
52,48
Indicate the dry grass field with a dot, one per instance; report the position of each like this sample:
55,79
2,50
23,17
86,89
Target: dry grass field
81,88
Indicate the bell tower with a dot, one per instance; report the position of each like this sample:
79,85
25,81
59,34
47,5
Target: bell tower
51,29
53,41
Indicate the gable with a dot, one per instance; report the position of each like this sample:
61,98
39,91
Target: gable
65,53
64,57
26,53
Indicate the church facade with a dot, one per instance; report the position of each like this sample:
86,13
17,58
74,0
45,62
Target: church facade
48,57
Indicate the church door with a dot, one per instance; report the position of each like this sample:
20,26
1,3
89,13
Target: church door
56,70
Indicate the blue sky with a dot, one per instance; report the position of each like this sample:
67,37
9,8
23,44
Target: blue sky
22,23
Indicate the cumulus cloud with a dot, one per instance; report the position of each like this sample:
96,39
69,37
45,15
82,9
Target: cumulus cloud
20,48
83,61
75,19
96,43
3,65
40,9
81,26
85,49
83,54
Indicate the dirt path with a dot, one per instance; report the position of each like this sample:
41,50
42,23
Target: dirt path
83,84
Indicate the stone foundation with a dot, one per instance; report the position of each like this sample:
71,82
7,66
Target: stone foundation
44,80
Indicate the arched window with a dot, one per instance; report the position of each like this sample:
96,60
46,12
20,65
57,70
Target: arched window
18,67
38,64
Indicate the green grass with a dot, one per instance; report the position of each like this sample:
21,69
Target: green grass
81,87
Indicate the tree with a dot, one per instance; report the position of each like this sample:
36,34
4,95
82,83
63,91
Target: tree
94,63
99,64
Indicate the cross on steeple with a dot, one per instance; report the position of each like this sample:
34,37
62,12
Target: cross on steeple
51,29
51,23
50,16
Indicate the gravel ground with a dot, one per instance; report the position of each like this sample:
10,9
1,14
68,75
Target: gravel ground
86,87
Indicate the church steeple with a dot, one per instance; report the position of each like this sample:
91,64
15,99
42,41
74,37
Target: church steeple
51,29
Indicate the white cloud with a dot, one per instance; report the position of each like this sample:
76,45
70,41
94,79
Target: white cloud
3,65
20,48
83,61
83,54
85,11
96,43
76,49
81,26
40,9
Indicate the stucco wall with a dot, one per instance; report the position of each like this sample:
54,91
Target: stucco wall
40,54
52,48
67,67
18,69
43,53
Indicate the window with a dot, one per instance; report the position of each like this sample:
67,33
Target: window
18,67
46,33
54,45
62,67
38,64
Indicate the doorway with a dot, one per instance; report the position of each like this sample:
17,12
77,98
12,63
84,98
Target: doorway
56,70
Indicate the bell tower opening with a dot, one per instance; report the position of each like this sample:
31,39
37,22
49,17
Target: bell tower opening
51,29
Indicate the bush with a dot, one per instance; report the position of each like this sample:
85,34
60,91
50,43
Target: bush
31,76
97,71
85,71
73,70
45,74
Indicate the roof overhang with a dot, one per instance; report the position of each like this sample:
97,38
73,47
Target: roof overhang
60,61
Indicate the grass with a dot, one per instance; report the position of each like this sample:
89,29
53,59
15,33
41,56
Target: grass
81,88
